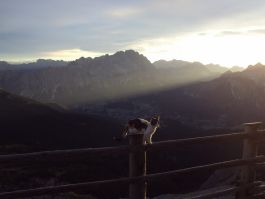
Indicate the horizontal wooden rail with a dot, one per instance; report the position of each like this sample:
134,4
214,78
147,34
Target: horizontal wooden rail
119,181
61,154
199,140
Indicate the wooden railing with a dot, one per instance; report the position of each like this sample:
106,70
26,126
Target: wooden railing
138,181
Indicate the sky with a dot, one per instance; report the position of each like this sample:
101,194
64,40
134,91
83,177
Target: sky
225,32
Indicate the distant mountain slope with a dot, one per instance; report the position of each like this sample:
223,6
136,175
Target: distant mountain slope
40,63
229,100
5,66
14,106
190,65
236,69
25,121
102,78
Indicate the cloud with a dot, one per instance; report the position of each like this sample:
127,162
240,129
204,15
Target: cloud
245,32
258,31
227,49
124,12
230,32
33,27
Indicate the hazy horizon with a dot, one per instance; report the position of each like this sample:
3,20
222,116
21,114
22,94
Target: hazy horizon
228,33
41,58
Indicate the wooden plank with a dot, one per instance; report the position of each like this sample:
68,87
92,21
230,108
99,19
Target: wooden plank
147,178
60,154
61,188
202,140
214,166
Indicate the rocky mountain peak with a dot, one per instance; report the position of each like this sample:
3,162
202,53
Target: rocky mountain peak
130,55
81,61
256,67
236,69
255,72
121,62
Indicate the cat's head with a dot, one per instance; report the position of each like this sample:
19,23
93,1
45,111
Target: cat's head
155,121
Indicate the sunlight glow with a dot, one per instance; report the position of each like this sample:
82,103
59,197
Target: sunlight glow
67,55
70,54
225,49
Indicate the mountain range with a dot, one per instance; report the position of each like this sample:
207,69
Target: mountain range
126,84
125,73
226,101
40,63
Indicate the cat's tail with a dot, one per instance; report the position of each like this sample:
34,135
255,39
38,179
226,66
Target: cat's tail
123,135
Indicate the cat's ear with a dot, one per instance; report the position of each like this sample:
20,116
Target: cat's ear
157,117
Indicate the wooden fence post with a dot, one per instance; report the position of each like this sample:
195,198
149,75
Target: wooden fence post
137,167
250,147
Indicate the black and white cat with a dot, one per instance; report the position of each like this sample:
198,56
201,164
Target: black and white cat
140,125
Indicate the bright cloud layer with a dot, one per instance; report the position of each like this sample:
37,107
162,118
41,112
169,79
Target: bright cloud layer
69,54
